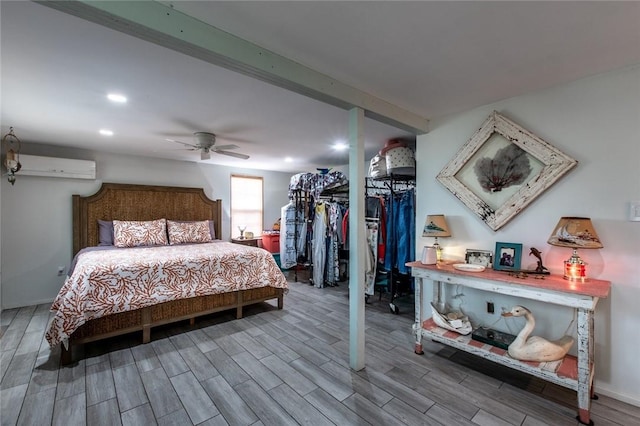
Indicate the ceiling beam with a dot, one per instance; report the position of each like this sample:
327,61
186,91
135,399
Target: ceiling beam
167,27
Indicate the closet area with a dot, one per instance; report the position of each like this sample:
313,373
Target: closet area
315,226
312,234
390,220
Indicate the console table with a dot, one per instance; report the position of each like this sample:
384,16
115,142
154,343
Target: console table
572,372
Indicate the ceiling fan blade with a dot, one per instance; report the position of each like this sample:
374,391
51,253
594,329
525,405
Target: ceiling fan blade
205,155
223,147
184,143
233,154
225,137
185,123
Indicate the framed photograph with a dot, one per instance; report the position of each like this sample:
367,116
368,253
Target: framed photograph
508,256
479,257
502,169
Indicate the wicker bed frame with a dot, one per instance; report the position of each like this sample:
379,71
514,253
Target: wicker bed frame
143,202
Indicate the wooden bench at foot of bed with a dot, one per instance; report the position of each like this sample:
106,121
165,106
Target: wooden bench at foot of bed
166,313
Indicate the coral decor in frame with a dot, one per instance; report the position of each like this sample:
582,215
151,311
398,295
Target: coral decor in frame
502,169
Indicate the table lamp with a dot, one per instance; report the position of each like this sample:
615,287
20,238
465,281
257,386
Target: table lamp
436,226
575,233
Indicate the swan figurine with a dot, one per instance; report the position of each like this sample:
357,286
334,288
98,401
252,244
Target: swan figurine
535,348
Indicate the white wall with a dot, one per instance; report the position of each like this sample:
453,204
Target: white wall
596,121
36,212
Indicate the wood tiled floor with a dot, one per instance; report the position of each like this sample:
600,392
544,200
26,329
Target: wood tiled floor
274,368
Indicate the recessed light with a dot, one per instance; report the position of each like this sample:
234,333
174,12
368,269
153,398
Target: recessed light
340,146
116,97
105,132
288,159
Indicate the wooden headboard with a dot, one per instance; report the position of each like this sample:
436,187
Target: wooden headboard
115,201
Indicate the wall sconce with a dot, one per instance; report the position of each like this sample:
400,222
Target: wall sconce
11,147
436,226
575,233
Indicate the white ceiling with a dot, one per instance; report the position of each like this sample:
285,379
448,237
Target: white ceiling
431,58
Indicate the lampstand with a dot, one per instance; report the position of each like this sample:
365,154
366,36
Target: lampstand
575,268
436,226
575,233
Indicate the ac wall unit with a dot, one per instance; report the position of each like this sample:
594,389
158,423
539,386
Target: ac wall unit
33,165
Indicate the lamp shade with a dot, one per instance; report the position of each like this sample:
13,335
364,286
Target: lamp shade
575,232
436,226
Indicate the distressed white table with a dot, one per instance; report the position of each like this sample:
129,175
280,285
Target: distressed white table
571,372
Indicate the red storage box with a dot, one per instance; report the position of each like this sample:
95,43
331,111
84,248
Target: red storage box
271,242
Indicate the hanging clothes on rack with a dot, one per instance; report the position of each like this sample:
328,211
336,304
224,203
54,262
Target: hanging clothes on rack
375,208
318,243
291,241
317,238
397,244
372,226
334,241
400,231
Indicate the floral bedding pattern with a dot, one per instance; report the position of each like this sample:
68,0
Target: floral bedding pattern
119,280
133,233
188,232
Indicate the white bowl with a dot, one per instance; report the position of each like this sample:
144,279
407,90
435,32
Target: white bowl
468,267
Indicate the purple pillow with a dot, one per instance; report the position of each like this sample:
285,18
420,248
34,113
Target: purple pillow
212,230
105,232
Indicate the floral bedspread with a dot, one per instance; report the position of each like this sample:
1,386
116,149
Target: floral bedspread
111,281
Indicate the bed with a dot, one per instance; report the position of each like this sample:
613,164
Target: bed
122,290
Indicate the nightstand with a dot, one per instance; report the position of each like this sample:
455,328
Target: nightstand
253,242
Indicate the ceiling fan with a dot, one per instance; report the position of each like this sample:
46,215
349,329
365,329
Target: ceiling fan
206,144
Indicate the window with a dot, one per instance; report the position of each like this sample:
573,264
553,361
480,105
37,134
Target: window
246,204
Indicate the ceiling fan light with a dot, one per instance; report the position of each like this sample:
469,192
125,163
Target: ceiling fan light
205,139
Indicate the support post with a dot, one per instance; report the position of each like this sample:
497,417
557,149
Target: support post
356,238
